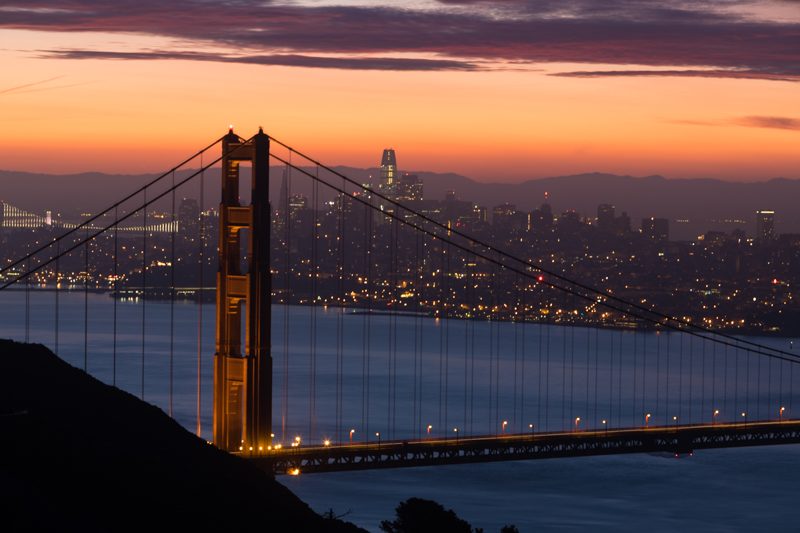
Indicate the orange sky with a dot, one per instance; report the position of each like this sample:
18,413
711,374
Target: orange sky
128,116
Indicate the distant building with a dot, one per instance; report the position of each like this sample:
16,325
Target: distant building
765,226
605,217
541,220
481,214
388,171
408,188
188,219
656,229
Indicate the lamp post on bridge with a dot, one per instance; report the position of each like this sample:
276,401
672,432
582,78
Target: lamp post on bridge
455,430
505,423
351,435
647,420
530,426
780,413
577,422
744,417
714,416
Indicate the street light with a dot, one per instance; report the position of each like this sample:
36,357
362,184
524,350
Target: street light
605,425
530,426
378,434
744,415
647,419
455,430
577,422
780,413
351,435
675,419
430,427
714,417
505,423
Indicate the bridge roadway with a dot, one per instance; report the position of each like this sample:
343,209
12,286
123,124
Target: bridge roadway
680,439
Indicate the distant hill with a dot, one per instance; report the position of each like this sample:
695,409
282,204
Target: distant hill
705,203
78,455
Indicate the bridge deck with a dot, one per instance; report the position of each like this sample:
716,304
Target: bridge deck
680,439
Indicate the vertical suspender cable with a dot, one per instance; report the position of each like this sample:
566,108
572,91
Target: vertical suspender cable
441,318
703,380
27,300
58,276
547,380
635,418
144,284
172,298
691,374
713,376
313,323
588,366
565,422
287,295
564,378
680,379
666,387
725,367
658,372
446,329
539,374
340,316
86,303
515,420
364,324
200,290
417,288
392,331
497,354
596,371
522,369
116,298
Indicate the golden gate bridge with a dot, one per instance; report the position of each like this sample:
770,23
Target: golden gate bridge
367,334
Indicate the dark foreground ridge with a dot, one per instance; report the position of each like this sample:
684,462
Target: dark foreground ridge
79,455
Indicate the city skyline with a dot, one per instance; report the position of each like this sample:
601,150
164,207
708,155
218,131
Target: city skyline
511,91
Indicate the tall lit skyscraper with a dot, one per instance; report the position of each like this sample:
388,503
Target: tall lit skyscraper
765,225
388,168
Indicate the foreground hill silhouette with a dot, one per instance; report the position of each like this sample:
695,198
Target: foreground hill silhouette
79,455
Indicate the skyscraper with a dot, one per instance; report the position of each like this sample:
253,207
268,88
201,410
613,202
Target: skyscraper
388,169
605,217
765,225
188,220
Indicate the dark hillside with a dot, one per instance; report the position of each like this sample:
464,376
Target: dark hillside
78,455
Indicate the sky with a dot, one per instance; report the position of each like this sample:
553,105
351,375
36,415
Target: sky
499,91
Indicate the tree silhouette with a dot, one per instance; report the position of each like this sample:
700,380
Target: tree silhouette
417,515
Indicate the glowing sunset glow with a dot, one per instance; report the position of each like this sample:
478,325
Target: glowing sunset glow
133,90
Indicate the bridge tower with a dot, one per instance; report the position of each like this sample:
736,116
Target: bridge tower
243,378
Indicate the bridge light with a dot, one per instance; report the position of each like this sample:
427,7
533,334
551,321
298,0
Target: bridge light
780,413
505,423
430,427
326,442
